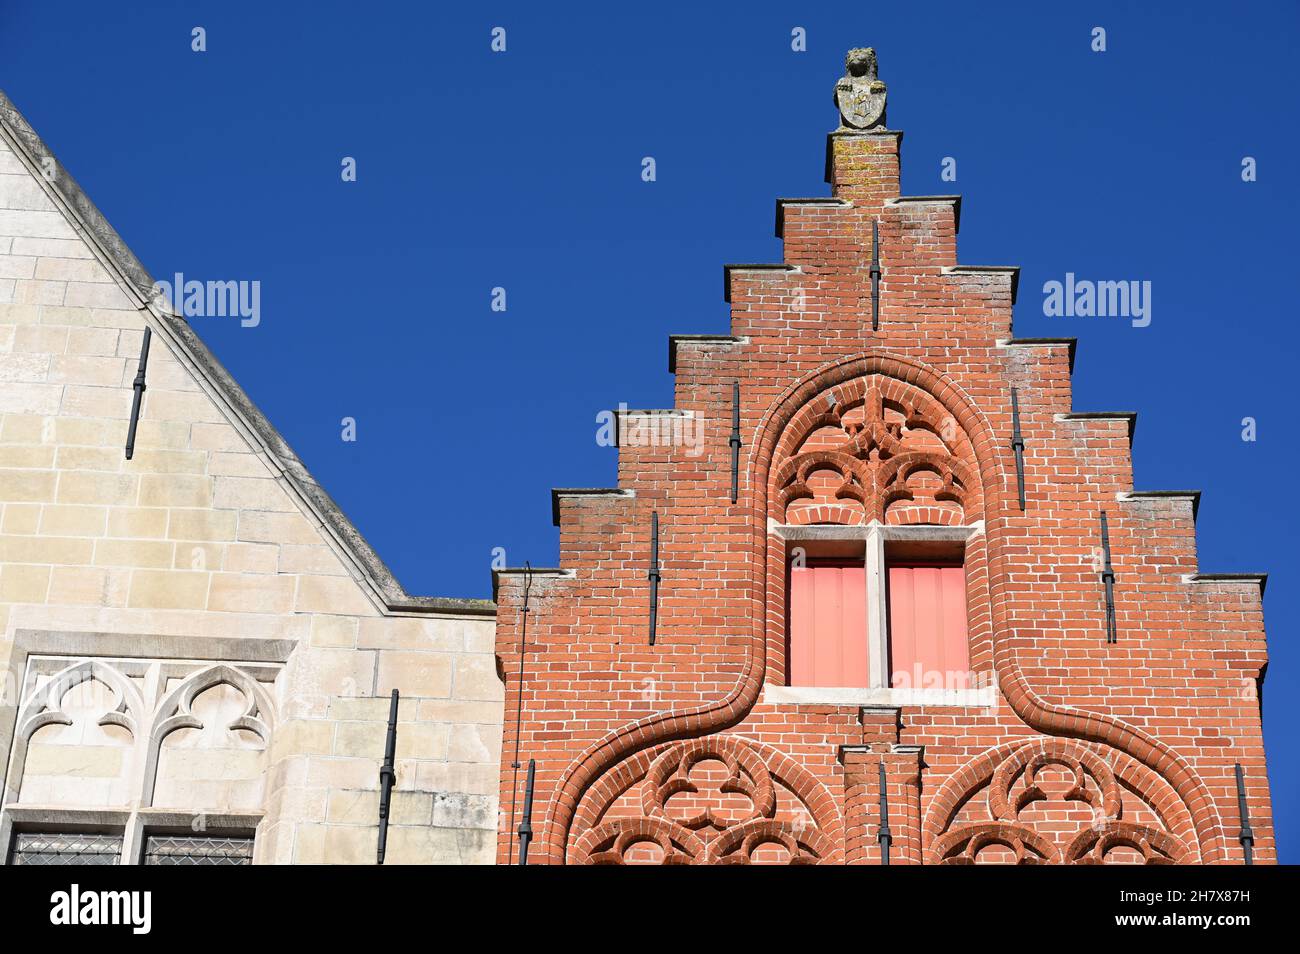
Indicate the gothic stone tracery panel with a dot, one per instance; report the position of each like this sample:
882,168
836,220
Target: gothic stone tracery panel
113,733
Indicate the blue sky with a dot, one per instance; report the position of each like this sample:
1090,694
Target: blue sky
522,170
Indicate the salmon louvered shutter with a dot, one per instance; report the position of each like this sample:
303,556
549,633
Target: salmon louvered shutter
927,627
828,626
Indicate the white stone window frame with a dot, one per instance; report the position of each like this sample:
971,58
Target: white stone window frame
172,651
872,539
133,825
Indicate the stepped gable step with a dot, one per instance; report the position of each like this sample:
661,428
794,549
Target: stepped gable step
660,413
1130,416
1012,270
820,200
675,340
1258,579
852,134
558,492
551,571
953,200
1193,495
750,267
1073,344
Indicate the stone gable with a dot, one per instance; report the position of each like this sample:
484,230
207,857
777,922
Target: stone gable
205,579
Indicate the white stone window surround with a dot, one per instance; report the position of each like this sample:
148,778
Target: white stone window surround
871,539
42,642
256,656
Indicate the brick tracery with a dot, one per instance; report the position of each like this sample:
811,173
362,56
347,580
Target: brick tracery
1000,801
875,450
716,800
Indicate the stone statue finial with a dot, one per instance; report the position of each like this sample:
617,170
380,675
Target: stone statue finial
859,95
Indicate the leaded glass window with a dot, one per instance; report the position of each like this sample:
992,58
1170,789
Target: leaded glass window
197,850
65,848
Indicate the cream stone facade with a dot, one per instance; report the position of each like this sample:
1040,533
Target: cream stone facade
197,640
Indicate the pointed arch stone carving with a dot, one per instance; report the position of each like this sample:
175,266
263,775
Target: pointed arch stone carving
175,712
43,709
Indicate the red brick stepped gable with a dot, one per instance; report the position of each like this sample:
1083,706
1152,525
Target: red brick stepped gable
1088,751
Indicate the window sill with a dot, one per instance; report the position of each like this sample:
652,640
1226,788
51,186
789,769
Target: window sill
851,696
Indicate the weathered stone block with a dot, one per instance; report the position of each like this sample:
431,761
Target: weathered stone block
142,553
334,632
24,584
58,520
98,488
319,594
476,678
29,485
175,490
415,674
168,589
251,593
202,524
137,522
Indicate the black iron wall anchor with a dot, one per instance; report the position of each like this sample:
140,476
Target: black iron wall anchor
654,573
526,823
1108,578
1018,445
875,275
884,836
1246,836
138,386
735,441
387,776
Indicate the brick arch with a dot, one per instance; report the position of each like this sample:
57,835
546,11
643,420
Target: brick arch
997,766
872,457
725,712
777,766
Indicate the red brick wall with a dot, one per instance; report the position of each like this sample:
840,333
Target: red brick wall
669,751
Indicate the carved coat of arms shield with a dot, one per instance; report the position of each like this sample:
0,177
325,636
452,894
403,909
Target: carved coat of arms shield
861,102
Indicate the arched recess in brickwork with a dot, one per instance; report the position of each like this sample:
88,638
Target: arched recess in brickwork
874,448
991,455
1057,801
921,453
713,800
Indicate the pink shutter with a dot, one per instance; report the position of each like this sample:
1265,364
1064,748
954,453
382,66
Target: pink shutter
828,626
927,627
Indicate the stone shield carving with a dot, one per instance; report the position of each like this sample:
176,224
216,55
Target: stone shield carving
859,94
